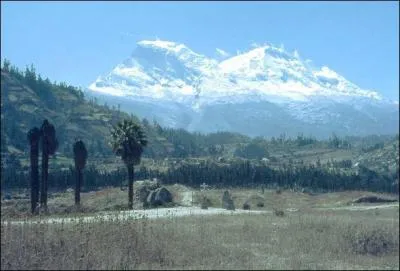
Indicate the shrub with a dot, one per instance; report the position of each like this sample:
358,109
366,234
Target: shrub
372,241
205,202
279,212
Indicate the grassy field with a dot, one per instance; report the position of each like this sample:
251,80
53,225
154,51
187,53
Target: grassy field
115,199
312,237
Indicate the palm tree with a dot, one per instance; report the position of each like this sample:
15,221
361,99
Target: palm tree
80,156
34,137
49,147
128,141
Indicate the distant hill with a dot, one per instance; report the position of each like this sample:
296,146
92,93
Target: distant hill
27,99
25,104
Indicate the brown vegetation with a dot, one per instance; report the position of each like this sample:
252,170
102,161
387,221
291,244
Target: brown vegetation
295,241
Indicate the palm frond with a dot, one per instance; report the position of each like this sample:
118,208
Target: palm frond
128,140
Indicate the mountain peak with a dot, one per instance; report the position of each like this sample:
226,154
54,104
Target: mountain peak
265,84
162,44
167,70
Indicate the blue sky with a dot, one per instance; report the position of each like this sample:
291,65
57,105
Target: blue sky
77,41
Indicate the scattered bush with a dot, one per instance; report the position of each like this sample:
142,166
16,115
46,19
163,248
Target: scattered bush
279,212
372,241
205,202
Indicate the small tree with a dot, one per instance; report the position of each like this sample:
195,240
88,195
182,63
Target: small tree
128,141
334,141
80,156
49,147
34,137
6,65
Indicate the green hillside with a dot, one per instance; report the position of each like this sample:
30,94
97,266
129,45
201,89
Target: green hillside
27,99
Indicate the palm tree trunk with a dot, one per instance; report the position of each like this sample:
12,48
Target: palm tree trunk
78,187
45,174
130,178
34,176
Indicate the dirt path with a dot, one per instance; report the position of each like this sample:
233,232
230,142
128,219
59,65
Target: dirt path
180,211
139,214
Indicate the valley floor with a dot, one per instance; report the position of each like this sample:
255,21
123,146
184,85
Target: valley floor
315,232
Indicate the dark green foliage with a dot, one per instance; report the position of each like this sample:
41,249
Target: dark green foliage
27,98
80,157
342,164
6,65
234,174
334,141
303,141
254,150
34,137
338,143
128,141
49,146
80,154
376,146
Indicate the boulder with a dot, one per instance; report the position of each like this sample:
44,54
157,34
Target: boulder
373,199
142,193
255,201
308,191
149,184
158,197
150,200
221,159
205,202
246,206
227,202
163,196
279,212
225,196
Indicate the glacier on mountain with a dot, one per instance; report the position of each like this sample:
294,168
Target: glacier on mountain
168,77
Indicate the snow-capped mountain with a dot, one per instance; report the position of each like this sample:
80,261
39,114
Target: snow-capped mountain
264,91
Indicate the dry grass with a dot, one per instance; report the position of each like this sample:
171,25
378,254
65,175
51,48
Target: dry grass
60,204
307,239
295,241
114,199
286,199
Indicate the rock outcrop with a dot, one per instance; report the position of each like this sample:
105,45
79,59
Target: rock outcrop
158,197
227,201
